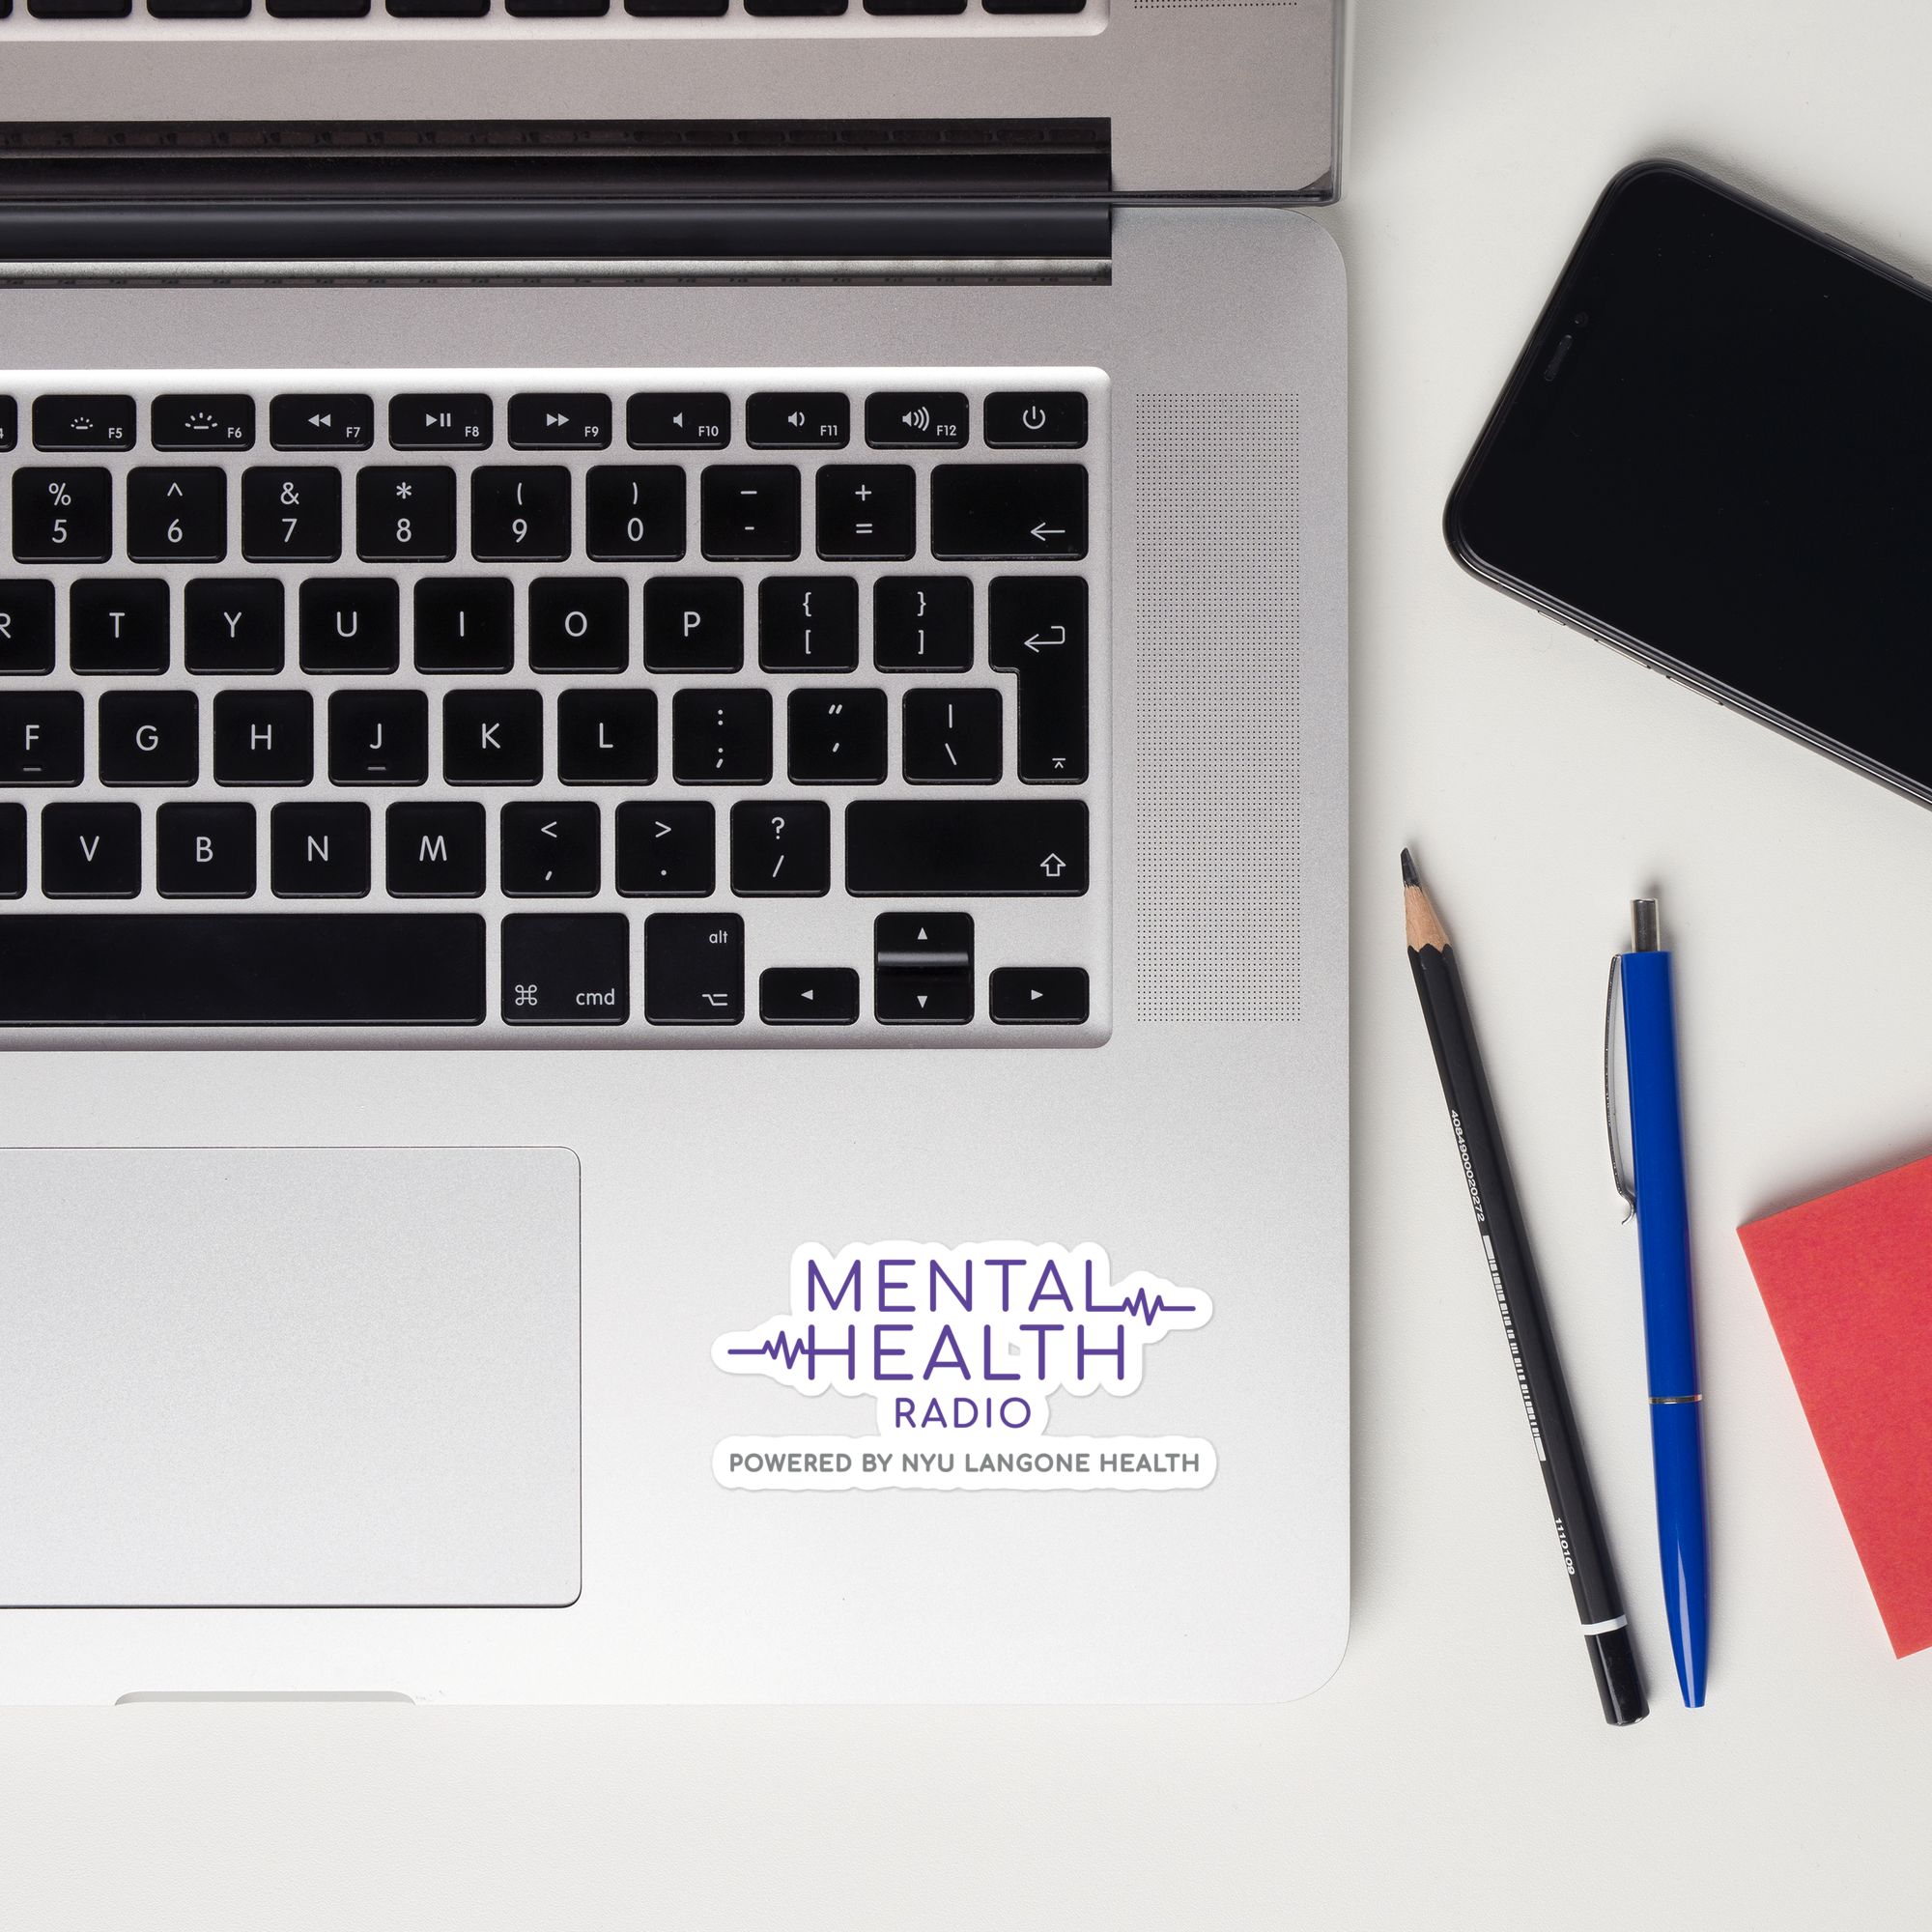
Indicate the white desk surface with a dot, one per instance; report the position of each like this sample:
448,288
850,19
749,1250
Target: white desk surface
1455,1772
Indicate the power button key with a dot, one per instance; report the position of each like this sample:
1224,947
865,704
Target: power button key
1035,419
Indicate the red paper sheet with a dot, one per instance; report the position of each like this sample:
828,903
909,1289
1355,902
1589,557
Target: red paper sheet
1848,1284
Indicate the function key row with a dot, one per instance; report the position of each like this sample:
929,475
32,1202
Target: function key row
496,736
773,420
779,848
865,512
122,626
540,10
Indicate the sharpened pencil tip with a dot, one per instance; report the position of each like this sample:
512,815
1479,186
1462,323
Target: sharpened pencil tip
1408,877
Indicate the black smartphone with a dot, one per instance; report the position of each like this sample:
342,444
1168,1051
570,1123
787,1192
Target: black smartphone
1716,453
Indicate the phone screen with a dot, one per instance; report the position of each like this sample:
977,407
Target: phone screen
1716,452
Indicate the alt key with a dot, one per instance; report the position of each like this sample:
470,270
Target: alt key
808,996
1037,996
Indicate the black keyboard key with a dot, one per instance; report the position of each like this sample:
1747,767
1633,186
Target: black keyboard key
440,422
264,738
80,9
204,851
404,514
607,737
866,511
721,737
91,851
559,421
674,9
780,9
322,422
922,968
519,513
922,623
150,737
12,851
782,849
836,737
465,623
233,624
552,851
1035,7
693,623
667,851
634,511
914,5
924,419
348,624
241,969
26,627
491,737
434,851
981,848
118,624
9,422
953,737
579,623
291,516
438,10
177,516
808,623
319,851
318,9
1035,418
798,420
694,969
63,516
1009,510
84,422
1037,996
566,969
201,422
378,737
808,996
1036,627
685,419
749,511
41,740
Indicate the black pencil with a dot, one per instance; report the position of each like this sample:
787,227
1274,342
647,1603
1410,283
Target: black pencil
1539,1375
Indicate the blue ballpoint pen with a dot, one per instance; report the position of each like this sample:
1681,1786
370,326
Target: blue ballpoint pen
1669,1329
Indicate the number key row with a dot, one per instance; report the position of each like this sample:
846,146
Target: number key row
407,513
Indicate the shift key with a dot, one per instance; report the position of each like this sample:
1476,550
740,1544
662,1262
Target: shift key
966,848
1009,510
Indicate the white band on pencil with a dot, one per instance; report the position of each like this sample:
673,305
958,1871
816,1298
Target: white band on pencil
1602,1630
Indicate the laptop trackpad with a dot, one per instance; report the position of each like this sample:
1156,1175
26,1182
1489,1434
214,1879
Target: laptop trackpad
317,1375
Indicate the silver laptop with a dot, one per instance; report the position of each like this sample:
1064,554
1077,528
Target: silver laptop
673,892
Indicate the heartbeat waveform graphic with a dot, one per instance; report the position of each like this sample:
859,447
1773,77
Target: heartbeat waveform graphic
777,1349
1137,1304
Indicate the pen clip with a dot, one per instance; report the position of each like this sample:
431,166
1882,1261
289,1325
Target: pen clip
1626,1193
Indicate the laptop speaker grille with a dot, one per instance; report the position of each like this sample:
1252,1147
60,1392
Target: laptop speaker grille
1217,688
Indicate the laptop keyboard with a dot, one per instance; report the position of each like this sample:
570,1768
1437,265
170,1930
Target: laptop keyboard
613,707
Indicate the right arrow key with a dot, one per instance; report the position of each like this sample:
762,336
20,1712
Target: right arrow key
1037,996
1009,510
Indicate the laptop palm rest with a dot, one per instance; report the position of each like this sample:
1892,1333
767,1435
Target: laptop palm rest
299,1376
